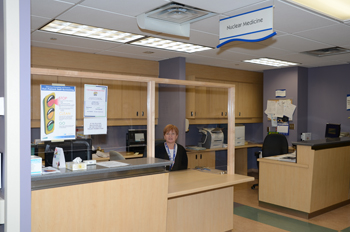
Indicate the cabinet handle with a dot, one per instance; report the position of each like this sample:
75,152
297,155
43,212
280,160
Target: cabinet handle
196,156
137,113
239,113
222,113
195,113
201,156
192,113
225,113
143,113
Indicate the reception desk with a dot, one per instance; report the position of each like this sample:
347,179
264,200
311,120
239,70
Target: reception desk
142,196
316,183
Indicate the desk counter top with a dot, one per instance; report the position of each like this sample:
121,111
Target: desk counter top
225,148
192,181
97,173
325,143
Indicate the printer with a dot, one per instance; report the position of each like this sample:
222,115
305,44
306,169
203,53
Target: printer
211,138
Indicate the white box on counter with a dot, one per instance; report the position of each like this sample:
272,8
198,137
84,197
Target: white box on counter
76,166
36,164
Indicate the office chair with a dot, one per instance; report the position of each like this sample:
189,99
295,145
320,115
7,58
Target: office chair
274,144
114,155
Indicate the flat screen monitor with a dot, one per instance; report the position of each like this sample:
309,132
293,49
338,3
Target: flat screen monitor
332,130
136,140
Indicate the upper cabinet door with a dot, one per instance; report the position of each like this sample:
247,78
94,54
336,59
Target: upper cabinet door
114,99
250,103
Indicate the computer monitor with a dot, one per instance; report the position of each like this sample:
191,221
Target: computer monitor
332,130
136,140
71,148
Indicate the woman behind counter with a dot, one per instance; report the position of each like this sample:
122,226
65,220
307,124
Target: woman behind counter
170,150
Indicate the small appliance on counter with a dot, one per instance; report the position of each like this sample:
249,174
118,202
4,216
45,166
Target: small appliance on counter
211,138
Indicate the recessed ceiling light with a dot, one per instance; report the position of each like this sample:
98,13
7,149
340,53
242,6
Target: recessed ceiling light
338,9
170,45
271,62
81,30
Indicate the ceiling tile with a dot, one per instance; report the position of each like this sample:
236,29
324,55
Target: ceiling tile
125,7
74,41
218,6
292,19
335,35
293,43
37,22
48,8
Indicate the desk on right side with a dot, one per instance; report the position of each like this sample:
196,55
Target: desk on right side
318,182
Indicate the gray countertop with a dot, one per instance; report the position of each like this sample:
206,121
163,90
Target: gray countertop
96,172
325,143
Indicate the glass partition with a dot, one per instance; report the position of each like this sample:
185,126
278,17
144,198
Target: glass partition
200,113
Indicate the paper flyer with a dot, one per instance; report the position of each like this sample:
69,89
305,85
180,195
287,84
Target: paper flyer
58,112
95,109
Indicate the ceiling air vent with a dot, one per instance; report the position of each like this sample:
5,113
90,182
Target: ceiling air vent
177,13
327,51
172,18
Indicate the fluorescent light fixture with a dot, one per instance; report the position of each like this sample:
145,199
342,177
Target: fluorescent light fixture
339,9
81,30
271,62
170,45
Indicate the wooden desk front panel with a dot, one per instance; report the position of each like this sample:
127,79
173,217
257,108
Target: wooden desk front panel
131,204
285,185
206,212
331,177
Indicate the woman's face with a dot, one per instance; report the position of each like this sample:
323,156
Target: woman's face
170,136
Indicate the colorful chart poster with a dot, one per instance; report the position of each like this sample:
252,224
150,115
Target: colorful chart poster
58,114
95,109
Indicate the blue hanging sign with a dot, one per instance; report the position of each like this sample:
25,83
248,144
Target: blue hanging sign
252,26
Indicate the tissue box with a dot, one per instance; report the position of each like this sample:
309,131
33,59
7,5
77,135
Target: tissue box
75,166
36,164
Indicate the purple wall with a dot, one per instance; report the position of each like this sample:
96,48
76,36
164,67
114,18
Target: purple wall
328,88
172,99
286,78
25,98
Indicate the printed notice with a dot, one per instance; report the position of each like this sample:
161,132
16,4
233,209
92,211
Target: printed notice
95,109
58,115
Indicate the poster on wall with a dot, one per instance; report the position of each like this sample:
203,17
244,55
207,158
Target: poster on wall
58,114
95,109
348,102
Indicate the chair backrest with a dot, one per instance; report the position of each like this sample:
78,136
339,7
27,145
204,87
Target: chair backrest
274,144
114,155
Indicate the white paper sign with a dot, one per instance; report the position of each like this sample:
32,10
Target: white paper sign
95,101
95,109
95,125
58,114
252,26
58,160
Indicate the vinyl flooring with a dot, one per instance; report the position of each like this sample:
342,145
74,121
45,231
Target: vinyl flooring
249,217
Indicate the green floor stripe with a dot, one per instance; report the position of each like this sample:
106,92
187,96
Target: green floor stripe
279,221
346,230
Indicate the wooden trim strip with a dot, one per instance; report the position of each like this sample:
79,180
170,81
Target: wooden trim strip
151,101
108,76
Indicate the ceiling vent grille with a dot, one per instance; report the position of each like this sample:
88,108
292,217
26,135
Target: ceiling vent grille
172,18
177,13
328,51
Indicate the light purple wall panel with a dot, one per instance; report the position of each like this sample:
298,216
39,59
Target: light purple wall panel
172,99
328,88
286,78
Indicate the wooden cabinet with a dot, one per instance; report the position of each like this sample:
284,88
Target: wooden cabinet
132,100
201,158
250,100
126,100
209,105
